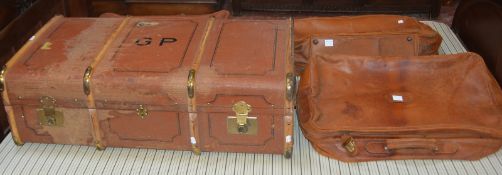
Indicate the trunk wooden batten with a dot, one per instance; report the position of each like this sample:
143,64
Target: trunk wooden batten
87,84
192,105
290,90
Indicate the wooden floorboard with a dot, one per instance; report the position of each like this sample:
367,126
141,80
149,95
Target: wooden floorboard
72,159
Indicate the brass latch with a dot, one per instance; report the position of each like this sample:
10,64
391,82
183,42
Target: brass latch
349,144
48,115
242,110
142,112
241,123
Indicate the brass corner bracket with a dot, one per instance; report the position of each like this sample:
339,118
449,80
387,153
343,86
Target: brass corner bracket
290,86
2,78
87,80
191,83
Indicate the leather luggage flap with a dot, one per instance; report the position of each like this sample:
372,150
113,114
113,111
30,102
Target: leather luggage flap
246,61
149,63
427,96
54,61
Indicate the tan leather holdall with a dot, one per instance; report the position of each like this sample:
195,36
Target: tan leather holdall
362,108
201,83
380,35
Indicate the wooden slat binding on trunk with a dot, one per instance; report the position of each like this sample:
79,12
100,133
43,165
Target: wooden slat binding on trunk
289,100
87,82
28,46
192,105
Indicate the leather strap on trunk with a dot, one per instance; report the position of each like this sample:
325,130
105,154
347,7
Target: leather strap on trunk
30,44
192,103
91,105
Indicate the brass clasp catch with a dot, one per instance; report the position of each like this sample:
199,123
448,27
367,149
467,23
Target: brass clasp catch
241,123
48,115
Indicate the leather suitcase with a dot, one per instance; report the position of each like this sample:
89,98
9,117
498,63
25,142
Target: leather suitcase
370,35
201,83
363,108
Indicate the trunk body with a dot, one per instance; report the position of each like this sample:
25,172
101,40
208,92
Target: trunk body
155,82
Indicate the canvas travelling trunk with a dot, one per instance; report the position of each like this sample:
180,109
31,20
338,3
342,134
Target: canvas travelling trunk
362,108
201,83
369,35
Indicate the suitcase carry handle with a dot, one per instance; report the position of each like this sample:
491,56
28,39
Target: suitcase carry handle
410,146
397,144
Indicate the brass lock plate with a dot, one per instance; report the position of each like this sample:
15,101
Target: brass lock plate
48,115
50,120
251,126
